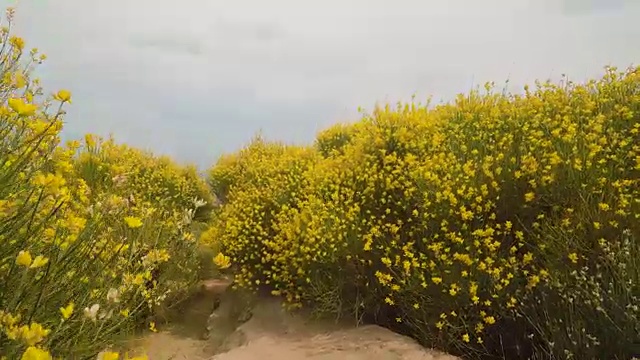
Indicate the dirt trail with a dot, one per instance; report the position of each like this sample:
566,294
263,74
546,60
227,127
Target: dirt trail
274,334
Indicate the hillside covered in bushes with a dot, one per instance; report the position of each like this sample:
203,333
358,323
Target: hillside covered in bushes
495,226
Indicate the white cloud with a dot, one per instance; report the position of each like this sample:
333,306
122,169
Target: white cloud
197,77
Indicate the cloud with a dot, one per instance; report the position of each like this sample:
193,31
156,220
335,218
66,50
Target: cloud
196,78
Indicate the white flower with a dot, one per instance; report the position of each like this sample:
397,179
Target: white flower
113,295
92,312
199,203
187,217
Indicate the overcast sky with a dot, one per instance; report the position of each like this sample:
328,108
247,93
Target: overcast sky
195,78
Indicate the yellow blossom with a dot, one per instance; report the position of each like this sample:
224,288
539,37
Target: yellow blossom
24,258
34,353
67,310
63,96
528,197
17,42
222,261
109,355
22,108
573,257
133,222
39,261
33,333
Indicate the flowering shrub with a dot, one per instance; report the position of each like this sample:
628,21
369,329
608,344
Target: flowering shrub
499,225
130,172
333,140
269,180
84,256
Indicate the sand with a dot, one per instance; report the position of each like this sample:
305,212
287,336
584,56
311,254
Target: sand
274,334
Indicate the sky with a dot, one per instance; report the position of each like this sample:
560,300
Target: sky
197,78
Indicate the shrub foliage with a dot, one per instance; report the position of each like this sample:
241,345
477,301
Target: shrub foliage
495,226
94,236
498,225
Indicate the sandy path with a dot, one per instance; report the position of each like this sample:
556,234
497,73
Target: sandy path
273,334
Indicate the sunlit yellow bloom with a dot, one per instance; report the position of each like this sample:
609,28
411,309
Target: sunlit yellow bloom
22,108
39,261
573,257
33,334
133,222
63,96
67,311
109,355
24,258
34,353
528,197
17,42
222,261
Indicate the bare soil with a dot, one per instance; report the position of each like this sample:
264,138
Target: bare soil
274,334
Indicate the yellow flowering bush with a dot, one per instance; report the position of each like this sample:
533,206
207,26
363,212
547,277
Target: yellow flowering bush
270,179
496,225
140,175
333,140
82,261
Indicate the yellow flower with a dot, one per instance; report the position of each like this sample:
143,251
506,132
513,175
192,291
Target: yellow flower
39,261
67,311
133,222
222,261
573,257
490,320
90,140
24,258
20,81
34,353
21,107
63,96
33,333
152,327
465,338
528,197
533,281
109,355
17,42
